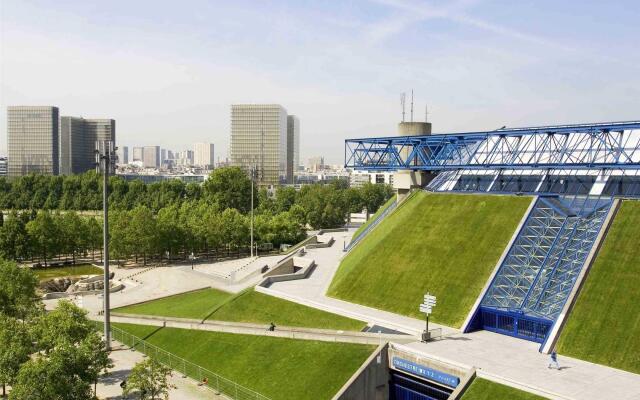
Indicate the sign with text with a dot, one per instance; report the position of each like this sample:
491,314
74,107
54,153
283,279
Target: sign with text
426,372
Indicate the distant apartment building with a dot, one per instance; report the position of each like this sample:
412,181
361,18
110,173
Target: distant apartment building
163,156
184,158
123,155
293,147
3,166
138,154
203,155
315,164
260,138
33,140
151,157
78,137
359,178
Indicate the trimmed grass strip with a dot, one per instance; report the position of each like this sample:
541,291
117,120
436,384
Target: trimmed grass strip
482,389
247,306
275,367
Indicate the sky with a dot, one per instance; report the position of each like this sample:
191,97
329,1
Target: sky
168,71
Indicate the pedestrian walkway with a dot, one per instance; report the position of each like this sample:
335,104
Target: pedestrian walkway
242,328
124,360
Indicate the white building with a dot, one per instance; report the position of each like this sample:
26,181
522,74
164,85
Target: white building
203,155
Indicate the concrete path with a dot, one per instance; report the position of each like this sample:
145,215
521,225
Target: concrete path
512,360
311,292
325,335
124,360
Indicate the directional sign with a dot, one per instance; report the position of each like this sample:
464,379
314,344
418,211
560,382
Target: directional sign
428,304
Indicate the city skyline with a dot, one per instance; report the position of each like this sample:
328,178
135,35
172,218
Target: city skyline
477,64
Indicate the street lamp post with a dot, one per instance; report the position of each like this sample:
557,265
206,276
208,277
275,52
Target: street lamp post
253,171
105,158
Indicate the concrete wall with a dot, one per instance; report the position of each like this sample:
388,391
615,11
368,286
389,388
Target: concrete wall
370,381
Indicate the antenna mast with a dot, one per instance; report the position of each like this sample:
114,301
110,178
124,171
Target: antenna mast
402,102
411,105
426,113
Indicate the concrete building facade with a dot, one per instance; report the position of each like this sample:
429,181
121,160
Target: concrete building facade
259,139
123,155
151,157
138,154
78,137
3,166
33,140
203,155
293,147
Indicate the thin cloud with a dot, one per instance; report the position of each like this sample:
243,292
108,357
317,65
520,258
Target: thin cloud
458,12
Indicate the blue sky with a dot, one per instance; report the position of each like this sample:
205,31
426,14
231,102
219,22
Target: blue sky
168,71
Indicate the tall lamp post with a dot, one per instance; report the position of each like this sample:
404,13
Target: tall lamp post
253,172
105,159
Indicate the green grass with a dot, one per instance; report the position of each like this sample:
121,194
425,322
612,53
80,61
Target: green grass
275,367
44,274
374,216
252,306
444,244
196,304
604,325
249,306
482,389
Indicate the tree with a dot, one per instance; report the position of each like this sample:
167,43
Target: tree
92,351
17,290
44,234
55,375
14,240
150,378
72,232
66,325
15,348
143,231
230,187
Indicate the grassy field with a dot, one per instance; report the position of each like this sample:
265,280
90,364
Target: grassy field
604,326
374,216
444,244
482,389
44,274
248,306
198,304
275,367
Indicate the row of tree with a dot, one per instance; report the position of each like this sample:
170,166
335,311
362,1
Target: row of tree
54,355
325,206
175,231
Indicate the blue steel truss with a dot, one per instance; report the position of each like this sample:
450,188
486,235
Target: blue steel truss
537,275
614,145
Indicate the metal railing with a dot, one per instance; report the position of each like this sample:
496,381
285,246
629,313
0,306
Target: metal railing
211,380
373,224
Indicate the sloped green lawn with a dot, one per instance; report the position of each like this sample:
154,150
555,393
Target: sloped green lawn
249,306
482,389
604,325
445,244
275,367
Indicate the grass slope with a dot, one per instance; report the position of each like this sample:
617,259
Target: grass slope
482,389
44,274
446,244
374,216
249,306
275,367
604,326
196,304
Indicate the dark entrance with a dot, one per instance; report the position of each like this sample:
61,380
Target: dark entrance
407,387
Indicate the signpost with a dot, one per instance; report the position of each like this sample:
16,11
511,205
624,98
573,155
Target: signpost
427,307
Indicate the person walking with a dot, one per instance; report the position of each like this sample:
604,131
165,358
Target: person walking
554,360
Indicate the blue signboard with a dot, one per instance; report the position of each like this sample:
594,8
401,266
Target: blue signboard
426,372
